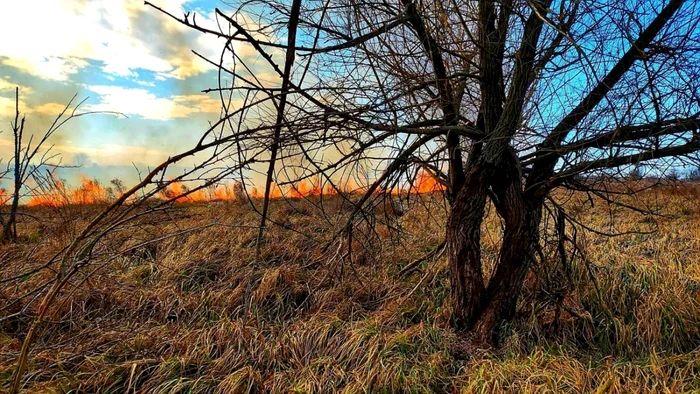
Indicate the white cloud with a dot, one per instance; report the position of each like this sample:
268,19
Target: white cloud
53,40
106,154
114,154
128,101
7,107
124,35
49,109
7,86
143,103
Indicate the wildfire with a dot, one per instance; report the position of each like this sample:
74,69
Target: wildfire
91,192
4,197
218,193
55,197
307,188
426,183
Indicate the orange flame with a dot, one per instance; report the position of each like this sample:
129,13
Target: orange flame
305,188
426,183
91,192
275,192
4,197
55,197
182,194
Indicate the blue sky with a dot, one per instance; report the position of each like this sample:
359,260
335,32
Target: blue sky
122,56
126,57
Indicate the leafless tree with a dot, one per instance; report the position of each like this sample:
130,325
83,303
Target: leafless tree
502,101
31,154
146,205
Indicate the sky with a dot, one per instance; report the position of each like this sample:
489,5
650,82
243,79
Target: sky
120,56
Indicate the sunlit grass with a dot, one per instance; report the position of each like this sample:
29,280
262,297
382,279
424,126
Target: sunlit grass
172,319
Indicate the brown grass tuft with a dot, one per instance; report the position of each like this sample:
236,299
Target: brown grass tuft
170,317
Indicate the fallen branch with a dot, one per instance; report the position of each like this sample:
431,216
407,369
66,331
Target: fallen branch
410,267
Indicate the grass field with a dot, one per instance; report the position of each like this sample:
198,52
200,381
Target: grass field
171,317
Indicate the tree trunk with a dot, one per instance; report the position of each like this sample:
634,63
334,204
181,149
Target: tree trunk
519,243
464,249
476,308
9,231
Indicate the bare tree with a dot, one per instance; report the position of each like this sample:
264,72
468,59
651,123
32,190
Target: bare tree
30,155
502,101
102,238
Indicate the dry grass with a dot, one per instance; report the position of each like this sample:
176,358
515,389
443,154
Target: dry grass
170,318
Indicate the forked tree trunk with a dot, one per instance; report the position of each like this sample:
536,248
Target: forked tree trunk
477,307
464,250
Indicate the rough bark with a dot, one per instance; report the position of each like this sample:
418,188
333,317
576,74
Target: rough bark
495,172
464,249
476,307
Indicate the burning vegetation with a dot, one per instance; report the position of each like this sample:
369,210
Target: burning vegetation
4,197
91,191
532,253
169,314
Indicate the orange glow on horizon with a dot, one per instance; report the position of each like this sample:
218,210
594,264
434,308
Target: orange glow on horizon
91,192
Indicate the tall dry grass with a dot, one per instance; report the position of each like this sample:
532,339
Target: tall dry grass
170,317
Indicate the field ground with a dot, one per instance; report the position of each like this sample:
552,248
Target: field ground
170,317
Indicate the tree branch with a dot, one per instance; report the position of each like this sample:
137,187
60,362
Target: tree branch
621,134
691,146
545,168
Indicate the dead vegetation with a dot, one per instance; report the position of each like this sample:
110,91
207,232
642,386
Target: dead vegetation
171,316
